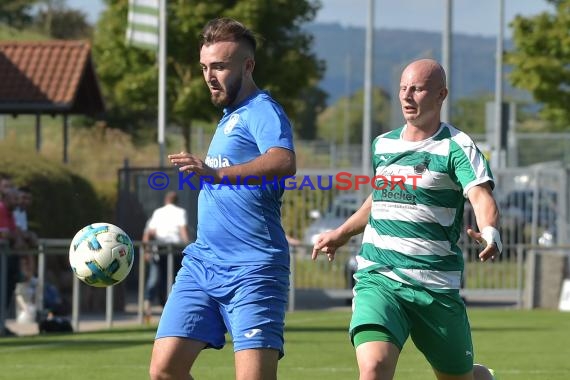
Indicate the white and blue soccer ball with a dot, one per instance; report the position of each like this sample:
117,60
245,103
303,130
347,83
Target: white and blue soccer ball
101,254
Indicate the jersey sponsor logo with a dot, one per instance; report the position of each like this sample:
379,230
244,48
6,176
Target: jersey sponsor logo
253,332
398,196
217,161
231,123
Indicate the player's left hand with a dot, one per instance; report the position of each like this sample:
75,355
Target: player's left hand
328,242
490,251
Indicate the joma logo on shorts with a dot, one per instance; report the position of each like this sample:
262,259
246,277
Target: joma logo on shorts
252,333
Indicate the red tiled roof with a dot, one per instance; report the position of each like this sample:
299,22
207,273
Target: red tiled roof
48,76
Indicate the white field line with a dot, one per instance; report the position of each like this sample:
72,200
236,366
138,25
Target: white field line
36,346
32,347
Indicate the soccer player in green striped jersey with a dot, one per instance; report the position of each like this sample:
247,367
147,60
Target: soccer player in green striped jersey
410,266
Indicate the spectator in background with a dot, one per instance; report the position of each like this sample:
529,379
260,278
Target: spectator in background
5,183
29,238
167,225
25,292
21,216
26,295
10,233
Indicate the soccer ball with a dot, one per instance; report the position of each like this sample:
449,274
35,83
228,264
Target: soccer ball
101,254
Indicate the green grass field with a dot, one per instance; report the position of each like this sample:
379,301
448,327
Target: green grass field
520,345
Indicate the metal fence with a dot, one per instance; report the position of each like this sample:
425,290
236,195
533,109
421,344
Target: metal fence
139,196
533,206
533,203
58,247
523,149
506,279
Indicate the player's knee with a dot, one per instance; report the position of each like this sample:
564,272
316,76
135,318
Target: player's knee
153,375
161,374
481,372
166,376
376,355
157,371
376,369
377,360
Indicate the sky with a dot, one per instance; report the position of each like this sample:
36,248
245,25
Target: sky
472,17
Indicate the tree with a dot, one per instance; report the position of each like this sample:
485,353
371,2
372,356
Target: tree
469,113
344,119
60,22
51,17
285,65
312,101
541,61
16,13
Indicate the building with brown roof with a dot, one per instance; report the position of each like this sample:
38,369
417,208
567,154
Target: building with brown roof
49,78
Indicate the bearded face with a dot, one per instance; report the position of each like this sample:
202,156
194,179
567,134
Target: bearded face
223,66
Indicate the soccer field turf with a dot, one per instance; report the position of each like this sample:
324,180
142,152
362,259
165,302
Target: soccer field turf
520,345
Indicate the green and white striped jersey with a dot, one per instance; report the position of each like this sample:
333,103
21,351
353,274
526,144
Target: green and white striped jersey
417,206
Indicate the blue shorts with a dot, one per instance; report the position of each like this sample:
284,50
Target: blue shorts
208,300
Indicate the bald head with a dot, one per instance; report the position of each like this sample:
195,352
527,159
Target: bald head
429,70
422,93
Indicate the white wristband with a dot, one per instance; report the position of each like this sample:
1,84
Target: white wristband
492,236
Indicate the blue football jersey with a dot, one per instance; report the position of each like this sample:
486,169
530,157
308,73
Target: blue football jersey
241,224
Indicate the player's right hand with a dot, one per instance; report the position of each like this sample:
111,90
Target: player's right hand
190,163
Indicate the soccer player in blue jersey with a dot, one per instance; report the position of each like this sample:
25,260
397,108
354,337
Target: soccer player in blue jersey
410,266
235,276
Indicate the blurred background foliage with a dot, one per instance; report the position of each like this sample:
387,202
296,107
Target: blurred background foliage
129,76
63,201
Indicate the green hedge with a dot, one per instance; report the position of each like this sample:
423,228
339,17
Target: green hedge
63,202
